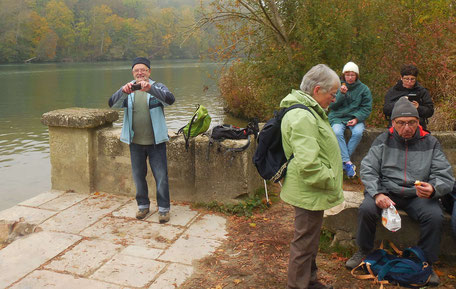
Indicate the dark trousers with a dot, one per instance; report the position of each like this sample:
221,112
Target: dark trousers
426,212
159,166
302,267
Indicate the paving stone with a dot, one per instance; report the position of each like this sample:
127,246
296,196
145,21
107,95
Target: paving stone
41,199
26,254
82,215
129,271
189,248
48,279
129,210
173,277
143,252
85,257
179,215
64,201
209,226
133,232
26,214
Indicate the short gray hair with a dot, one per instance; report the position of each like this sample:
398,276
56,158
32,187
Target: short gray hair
320,75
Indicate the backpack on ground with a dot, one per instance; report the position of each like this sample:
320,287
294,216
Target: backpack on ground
269,158
408,269
200,122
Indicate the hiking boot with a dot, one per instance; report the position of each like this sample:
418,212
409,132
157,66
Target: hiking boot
350,170
355,260
163,217
434,280
142,213
318,285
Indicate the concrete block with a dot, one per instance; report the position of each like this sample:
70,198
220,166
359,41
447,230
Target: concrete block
129,271
26,254
85,257
173,277
48,279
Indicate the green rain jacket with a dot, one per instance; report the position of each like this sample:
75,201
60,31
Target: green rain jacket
314,176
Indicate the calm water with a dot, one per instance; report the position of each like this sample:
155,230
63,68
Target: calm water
29,90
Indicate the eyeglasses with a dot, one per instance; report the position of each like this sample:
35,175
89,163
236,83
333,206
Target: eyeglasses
410,123
142,70
409,79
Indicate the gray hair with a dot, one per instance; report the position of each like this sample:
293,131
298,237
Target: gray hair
320,75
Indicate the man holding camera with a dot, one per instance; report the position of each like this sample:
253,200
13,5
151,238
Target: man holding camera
144,129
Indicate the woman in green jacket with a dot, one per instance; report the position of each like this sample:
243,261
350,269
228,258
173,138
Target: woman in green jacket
313,182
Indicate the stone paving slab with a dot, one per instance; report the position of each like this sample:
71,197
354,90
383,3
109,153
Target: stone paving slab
25,255
209,226
48,279
95,241
189,248
27,214
63,202
129,271
133,232
41,199
174,276
83,214
85,257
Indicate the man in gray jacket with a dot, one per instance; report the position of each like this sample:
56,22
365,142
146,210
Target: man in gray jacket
407,168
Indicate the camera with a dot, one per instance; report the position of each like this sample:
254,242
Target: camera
412,97
135,86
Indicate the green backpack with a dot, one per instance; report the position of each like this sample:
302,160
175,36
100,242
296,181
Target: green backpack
199,124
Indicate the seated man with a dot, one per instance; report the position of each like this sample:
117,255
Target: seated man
396,159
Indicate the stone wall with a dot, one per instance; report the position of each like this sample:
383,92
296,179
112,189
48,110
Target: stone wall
87,156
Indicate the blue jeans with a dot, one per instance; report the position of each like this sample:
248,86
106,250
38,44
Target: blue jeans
159,165
346,150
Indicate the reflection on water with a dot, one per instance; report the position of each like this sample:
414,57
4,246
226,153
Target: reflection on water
29,90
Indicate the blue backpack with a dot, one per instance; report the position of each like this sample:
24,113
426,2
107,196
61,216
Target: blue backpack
408,270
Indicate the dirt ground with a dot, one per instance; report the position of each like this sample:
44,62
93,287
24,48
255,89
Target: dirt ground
255,255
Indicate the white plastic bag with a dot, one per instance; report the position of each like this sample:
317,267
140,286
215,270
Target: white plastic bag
391,219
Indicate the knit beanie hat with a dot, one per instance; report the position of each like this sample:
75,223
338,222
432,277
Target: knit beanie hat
141,60
403,107
351,66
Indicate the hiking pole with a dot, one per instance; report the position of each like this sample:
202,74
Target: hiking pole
268,204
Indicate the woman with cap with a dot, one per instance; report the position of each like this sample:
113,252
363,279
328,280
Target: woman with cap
352,107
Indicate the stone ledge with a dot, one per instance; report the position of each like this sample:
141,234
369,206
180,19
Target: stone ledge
77,117
343,221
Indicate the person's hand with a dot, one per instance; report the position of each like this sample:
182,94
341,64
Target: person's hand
424,190
127,88
145,85
415,104
383,201
352,122
343,89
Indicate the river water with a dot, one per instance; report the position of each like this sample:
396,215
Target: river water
29,90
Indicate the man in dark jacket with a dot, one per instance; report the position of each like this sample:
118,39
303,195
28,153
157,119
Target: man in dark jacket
407,168
418,95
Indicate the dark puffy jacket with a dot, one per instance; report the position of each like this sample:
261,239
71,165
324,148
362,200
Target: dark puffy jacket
393,164
418,93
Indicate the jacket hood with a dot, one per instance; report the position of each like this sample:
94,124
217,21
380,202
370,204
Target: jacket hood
298,96
399,86
353,85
